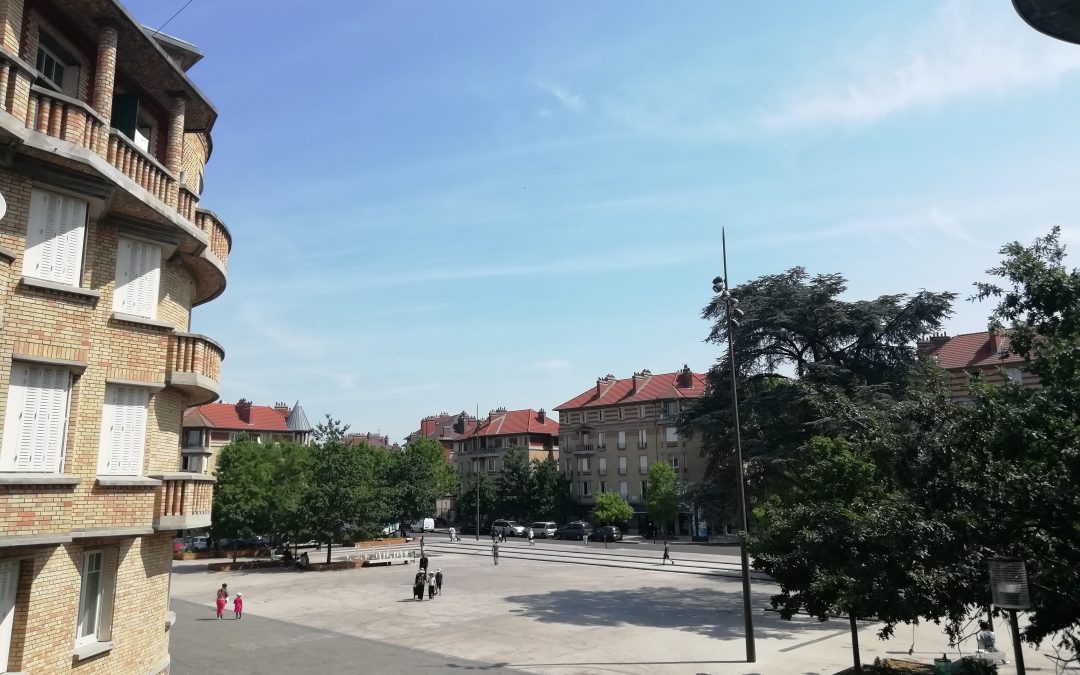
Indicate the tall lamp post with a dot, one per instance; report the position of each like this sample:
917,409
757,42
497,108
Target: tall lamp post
733,313
1009,590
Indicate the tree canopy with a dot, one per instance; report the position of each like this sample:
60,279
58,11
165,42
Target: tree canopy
663,498
612,509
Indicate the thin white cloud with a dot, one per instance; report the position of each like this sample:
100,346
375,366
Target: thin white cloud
552,365
563,95
966,51
915,227
274,330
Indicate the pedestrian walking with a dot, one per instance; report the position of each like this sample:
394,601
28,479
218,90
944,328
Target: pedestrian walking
238,606
667,555
453,534
494,535
431,586
421,546
438,581
418,585
532,541
585,537
495,552
423,561
222,599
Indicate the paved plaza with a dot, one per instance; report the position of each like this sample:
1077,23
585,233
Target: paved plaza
552,609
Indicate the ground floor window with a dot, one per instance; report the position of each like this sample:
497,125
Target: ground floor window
9,584
96,596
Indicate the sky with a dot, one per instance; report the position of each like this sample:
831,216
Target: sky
446,206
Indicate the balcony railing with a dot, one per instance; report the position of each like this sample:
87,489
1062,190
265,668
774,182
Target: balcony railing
186,203
194,365
220,239
667,417
63,117
183,501
139,166
581,448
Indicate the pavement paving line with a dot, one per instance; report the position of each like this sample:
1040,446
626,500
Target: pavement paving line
815,641
675,569
611,553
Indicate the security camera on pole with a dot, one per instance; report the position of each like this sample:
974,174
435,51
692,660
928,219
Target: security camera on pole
733,314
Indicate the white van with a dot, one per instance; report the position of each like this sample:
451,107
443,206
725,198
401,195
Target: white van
424,525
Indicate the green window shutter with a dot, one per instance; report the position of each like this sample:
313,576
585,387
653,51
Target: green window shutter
125,114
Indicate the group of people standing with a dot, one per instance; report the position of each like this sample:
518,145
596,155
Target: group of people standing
223,600
432,580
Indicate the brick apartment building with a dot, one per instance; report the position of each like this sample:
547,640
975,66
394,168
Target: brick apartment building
103,254
444,428
613,432
985,353
374,440
209,427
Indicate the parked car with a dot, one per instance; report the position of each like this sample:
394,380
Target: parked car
178,544
423,525
606,533
577,530
543,529
391,528
442,522
199,543
470,528
508,528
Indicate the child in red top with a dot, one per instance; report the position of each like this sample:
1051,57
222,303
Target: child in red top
238,605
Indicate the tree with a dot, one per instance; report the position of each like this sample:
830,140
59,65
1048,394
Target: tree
663,494
467,499
340,488
241,492
329,429
289,475
418,475
544,489
512,486
611,509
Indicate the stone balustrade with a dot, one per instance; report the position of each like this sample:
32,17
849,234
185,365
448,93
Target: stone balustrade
65,118
140,166
194,366
183,501
220,239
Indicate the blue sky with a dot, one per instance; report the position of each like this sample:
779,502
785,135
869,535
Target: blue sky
444,205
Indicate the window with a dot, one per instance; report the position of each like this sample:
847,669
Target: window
1015,375
603,487
642,410
671,434
36,421
643,463
56,71
123,431
672,407
96,597
622,465
54,238
642,439
585,438
491,464
9,585
622,413
583,464
586,488
622,488
644,489
600,415
622,440
193,464
569,465
601,465
498,443
193,438
138,273
600,440
674,462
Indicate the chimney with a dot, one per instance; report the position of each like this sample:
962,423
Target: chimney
243,410
459,425
640,379
541,416
685,378
930,345
995,341
282,408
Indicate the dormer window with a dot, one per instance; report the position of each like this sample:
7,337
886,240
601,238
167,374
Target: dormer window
56,68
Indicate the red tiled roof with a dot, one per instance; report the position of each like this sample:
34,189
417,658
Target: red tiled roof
650,388
974,350
441,427
517,422
224,416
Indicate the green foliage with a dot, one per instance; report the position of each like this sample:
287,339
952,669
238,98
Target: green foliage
544,489
513,486
466,502
329,429
663,495
612,509
341,492
969,665
418,475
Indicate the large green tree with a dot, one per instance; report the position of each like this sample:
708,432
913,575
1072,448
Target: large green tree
418,475
544,487
340,492
466,502
612,509
513,485
663,498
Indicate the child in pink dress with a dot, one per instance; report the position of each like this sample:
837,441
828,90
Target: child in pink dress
238,605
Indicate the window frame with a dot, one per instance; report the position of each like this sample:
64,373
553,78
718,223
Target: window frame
36,245
92,637
106,445
8,599
127,294
13,430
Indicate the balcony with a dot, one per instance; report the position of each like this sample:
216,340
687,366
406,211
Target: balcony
183,501
580,449
667,418
194,367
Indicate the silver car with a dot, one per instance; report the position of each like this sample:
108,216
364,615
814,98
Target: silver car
544,529
508,528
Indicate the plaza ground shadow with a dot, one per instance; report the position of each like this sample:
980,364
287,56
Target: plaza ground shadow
704,611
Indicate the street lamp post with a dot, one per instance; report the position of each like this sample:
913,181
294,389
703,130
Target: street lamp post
720,285
1009,590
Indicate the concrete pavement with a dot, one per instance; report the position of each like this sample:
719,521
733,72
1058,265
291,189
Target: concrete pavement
562,619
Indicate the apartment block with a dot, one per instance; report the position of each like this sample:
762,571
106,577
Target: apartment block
209,427
987,354
484,448
446,429
613,432
104,251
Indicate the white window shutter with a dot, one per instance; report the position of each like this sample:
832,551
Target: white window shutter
54,238
41,430
72,231
121,302
149,280
9,586
138,275
123,433
13,418
109,565
107,457
35,234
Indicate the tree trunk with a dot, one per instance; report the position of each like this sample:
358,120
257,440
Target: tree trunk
329,547
855,645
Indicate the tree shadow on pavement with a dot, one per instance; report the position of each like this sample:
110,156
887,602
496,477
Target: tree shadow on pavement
712,613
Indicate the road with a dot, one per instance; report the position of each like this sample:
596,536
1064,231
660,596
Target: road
259,646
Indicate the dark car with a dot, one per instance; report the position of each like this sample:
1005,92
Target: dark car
577,530
442,522
606,533
470,528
